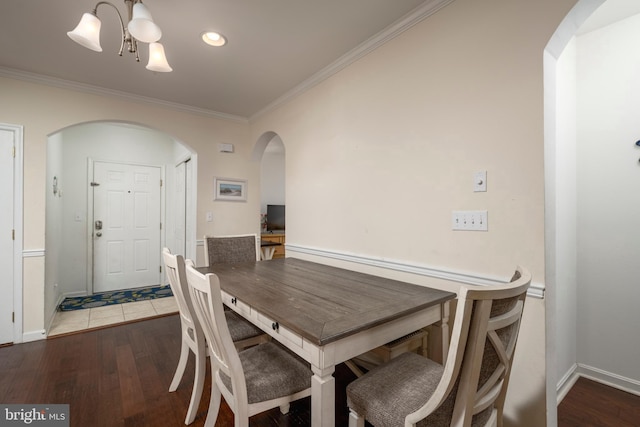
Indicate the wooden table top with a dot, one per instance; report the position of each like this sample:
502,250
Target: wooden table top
319,302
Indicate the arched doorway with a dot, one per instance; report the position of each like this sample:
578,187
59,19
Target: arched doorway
72,154
565,233
270,151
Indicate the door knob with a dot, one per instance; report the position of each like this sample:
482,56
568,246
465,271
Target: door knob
99,233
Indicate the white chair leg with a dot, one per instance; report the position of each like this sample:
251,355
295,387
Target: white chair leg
240,420
214,406
182,364
198,385
355,420
285,408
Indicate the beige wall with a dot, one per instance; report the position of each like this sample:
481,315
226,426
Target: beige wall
387,148
377,157
380,154
44,110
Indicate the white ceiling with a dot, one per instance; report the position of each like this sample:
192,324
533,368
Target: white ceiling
274,46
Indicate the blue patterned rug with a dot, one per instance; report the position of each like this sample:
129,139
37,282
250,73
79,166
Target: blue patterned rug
116,297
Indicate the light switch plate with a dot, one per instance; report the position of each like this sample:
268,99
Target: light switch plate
470,221
480,181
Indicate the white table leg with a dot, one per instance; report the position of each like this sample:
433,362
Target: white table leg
439,336
323,397
266,252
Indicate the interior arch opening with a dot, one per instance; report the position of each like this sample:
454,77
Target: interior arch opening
74,154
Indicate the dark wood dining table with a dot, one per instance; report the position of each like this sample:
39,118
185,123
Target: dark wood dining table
328,315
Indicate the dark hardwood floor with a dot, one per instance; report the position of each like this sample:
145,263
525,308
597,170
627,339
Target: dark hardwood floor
120,375
592,404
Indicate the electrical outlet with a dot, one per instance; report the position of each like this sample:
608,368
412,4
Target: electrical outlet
209,216
470,221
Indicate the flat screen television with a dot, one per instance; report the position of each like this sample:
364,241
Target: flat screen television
275,218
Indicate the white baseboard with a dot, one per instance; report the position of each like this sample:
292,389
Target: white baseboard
566,383
616,381
34,336
73,295
603,377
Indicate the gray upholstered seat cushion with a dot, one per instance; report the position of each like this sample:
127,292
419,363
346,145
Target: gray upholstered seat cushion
386,394
240,328
270,372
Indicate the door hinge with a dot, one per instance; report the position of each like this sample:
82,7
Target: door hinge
160,226
160,183
13,317
13,234
160,269
13,151
94,184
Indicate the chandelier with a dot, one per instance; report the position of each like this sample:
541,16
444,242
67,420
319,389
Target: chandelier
140,28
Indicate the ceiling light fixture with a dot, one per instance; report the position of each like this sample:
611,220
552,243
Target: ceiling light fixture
214,39
140,27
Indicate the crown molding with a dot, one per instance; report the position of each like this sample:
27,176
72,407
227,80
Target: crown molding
96,90
419,14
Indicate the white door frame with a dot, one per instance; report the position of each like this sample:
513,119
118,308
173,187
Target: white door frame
191,195
556,387
90,166
180,209
18,187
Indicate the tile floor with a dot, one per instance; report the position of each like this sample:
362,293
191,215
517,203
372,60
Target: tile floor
65,322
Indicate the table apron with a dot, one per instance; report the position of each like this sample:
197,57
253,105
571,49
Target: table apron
333,353
353,345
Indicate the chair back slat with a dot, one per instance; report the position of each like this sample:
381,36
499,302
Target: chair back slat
476,372
207,302
175,270
493,333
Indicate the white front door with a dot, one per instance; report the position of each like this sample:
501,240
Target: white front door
6,235
126,226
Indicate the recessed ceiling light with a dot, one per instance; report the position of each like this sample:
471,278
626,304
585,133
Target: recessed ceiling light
214,39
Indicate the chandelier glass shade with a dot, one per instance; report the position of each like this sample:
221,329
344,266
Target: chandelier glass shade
141,25
87,33
157,59
140,28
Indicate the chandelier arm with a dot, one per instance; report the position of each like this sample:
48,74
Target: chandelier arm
135,48
124,32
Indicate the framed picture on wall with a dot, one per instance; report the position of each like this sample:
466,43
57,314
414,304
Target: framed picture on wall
234,190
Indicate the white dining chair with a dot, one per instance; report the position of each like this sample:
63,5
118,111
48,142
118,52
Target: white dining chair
253,380
470,389
243,333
